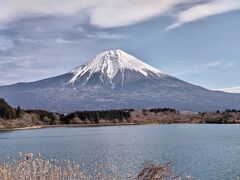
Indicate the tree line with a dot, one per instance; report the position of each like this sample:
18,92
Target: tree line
51,118
17,117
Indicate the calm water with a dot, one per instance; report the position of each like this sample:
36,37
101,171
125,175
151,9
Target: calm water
203,151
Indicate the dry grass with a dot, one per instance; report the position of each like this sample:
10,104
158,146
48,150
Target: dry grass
29,168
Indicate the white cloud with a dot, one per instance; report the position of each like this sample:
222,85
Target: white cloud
14,9
204,10
116,13
102,13
127,12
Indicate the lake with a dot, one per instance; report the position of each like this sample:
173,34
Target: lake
203,151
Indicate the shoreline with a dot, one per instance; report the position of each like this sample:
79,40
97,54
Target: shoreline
21,128
68,126
89,125
92,125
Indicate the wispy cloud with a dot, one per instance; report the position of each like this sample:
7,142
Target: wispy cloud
8,43
9,62
105,35
204,10
203,67
229,64
5,43
21,68
212,64
61,40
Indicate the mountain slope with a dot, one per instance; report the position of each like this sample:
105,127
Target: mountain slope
115,80
230,90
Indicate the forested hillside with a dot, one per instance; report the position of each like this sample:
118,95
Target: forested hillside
14,118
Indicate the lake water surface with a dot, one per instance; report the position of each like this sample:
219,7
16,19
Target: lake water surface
202,151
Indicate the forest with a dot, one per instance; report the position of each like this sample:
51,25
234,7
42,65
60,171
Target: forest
16,117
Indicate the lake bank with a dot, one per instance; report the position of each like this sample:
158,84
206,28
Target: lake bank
98,125
12,119
21,128
68,126
88,125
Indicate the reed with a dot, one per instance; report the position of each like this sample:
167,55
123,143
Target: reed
27,167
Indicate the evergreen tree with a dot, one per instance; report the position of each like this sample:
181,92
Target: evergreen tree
6,111
18,112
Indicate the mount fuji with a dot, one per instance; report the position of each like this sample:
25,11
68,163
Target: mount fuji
115,80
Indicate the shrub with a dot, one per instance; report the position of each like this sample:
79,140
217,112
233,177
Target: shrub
151,171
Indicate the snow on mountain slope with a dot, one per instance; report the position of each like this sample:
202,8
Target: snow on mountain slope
112,62
229,90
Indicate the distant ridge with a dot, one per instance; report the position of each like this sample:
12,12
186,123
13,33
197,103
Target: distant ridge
116,80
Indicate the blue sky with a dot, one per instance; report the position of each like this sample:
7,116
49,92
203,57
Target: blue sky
195,40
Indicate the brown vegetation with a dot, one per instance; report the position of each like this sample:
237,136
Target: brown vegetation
18,118
31,169
175,117
27,167
151,171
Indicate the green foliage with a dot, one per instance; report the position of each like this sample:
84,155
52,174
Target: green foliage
10,117
45,116
18,112
158,110
95,116
6,111
231,110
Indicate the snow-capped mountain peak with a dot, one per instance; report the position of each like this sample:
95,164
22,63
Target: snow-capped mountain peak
116,80
110,63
